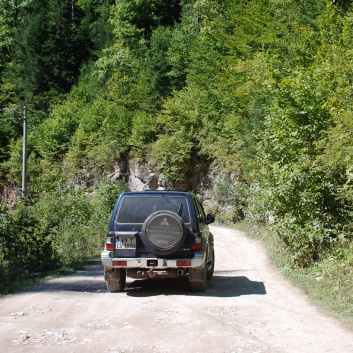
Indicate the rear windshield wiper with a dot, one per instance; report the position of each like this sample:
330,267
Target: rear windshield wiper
180,212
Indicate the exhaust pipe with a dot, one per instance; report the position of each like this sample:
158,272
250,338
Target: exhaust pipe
180,272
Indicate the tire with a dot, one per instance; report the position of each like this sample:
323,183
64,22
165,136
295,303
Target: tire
115,280
210,266
163,232
200,286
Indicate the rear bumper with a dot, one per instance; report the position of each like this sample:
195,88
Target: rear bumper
141,263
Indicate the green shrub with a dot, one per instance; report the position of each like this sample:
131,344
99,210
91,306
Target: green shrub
61,227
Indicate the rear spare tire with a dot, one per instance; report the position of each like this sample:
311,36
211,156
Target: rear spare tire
163,232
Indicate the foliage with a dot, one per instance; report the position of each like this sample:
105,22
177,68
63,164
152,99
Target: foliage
63,226
229,193
310,213
261,89
24,250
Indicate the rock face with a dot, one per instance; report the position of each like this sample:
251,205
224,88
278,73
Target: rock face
142,177
139,176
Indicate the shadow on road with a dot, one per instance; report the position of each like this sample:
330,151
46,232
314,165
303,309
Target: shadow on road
223,284
90,280
219,286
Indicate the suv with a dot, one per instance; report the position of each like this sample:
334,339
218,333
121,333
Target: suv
158,234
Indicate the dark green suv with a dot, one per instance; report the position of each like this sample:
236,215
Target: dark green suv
158,234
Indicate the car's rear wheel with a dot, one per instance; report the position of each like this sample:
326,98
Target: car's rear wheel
210,265
163,232
115,280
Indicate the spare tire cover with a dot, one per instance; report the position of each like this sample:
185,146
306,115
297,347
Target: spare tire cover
163,232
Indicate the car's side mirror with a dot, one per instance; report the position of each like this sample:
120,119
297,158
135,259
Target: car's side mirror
210,218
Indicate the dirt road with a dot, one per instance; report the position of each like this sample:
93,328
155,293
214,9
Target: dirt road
248,308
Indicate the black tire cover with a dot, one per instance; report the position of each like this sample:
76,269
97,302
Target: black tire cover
163,232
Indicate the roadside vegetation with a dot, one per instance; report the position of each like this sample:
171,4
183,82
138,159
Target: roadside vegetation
258,93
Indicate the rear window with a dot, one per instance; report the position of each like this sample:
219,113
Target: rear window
136,209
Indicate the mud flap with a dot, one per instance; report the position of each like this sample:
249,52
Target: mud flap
196,274
114,274
115,280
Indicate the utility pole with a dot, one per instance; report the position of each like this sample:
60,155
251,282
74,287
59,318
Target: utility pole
24,148
24,155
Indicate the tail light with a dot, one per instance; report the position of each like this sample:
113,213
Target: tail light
119,263
109,243
182,263
196,246
109,246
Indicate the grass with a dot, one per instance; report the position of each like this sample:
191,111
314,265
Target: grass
328,283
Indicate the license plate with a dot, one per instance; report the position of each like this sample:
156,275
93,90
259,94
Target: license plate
125,243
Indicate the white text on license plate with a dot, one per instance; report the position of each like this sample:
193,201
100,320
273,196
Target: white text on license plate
125,243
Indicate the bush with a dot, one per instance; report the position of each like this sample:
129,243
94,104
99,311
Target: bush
228,194
25,250
60,228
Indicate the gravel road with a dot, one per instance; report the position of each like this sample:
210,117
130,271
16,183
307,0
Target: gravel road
248,308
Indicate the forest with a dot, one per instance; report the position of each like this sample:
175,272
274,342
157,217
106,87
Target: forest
260,92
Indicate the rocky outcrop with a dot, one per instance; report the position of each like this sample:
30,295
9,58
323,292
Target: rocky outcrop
139,176
142,177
